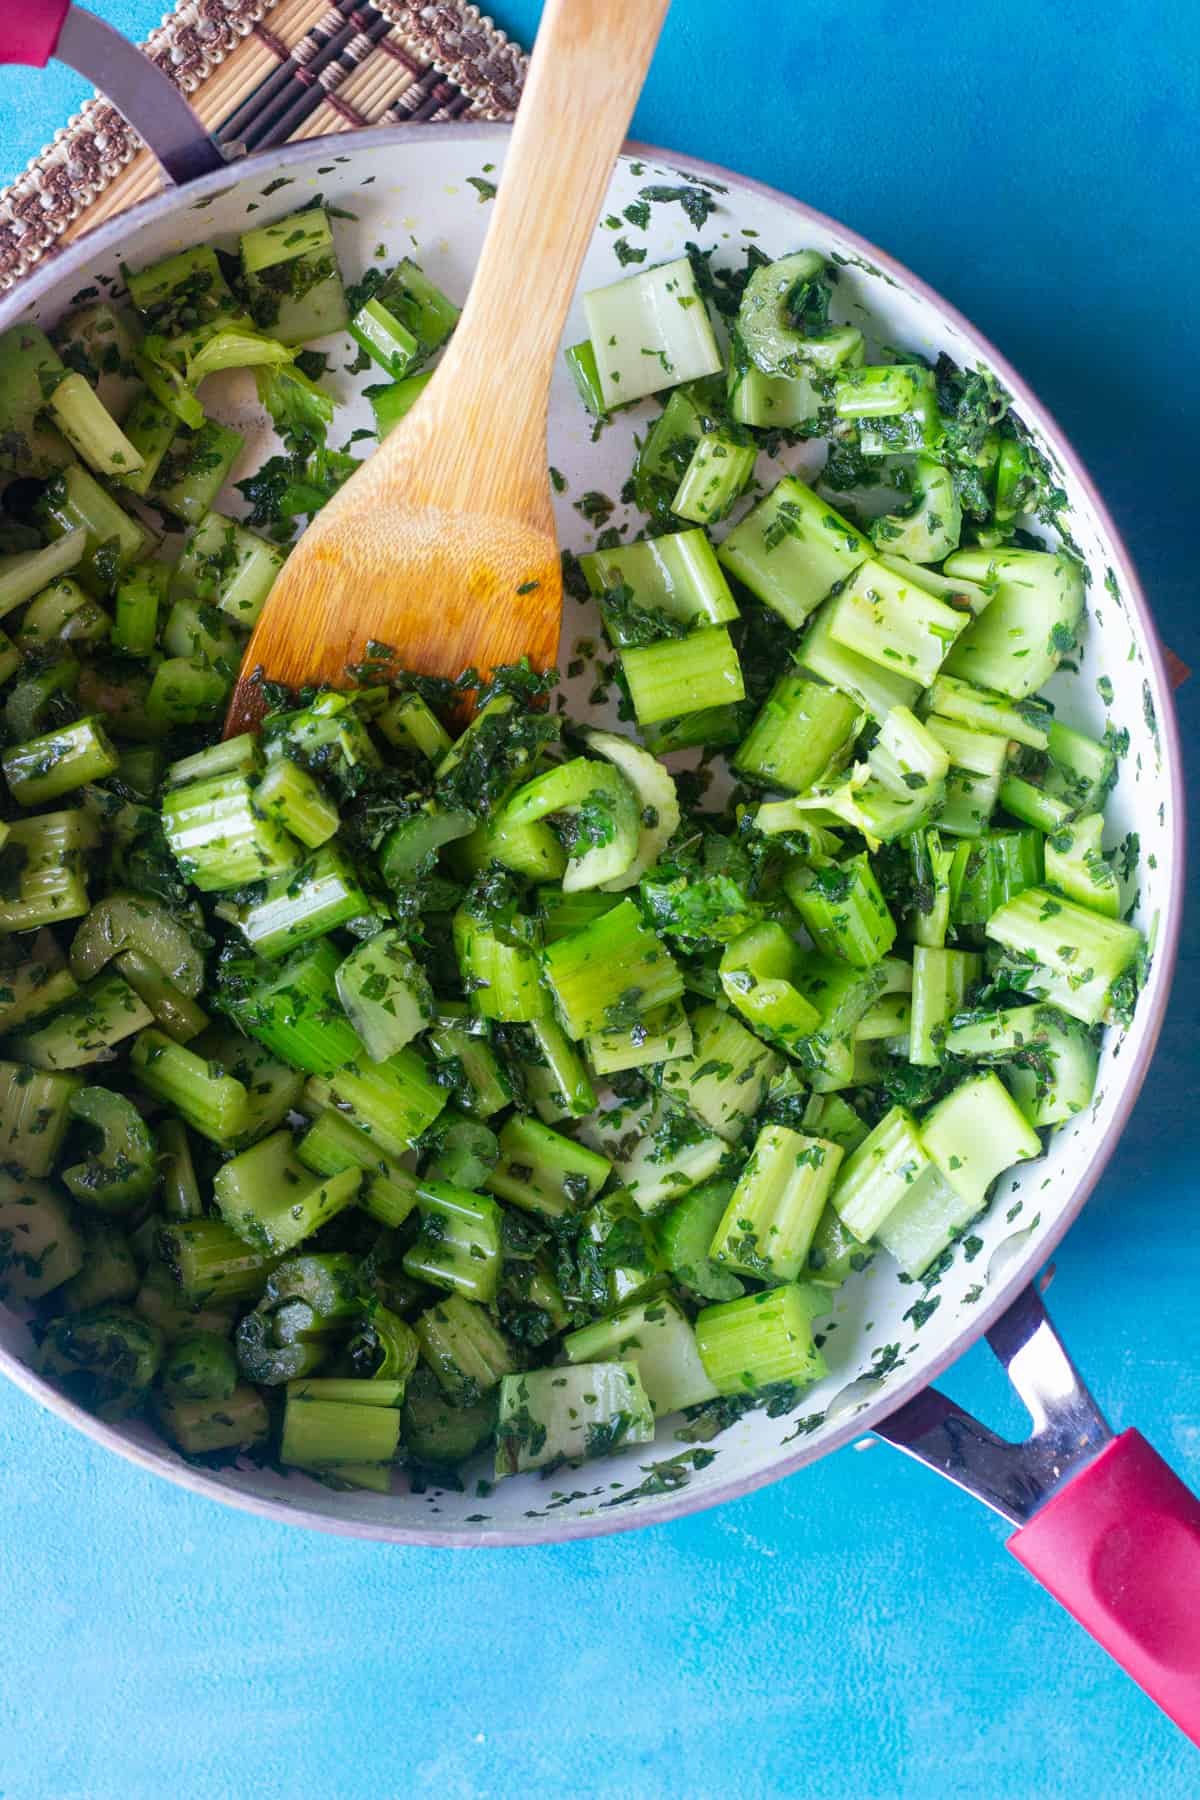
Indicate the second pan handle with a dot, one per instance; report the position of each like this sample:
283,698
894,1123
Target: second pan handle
32,31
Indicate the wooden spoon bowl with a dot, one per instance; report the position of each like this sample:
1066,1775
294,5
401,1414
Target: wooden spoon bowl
442,547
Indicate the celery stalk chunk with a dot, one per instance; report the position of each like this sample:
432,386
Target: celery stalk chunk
1067,953
385,994
1030,624
677,676
584,1410
655,1335
677,574
458,1246
792,549
762,1339
269,1198
777,1204
612,970
723,1079
894,622
974,1134
648,332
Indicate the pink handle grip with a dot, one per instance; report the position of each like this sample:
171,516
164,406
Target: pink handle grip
1119,1546
29,31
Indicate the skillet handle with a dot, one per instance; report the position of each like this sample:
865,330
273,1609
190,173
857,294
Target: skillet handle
1119,1547
1102,1522
32,31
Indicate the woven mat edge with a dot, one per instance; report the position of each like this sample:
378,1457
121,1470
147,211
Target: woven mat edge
86,154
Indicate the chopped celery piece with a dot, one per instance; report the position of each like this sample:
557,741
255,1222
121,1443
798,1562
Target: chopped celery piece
802,731
725,1076
124,921
109,1271
35,1110
774,1210
218,839
604,816
113,541
1054,1079
543,1172
918,1230
481,1084
720,469
876,689
1077,866
210,1101
194,470
50,766
843,909
941,981
393,1102
332,1144
392,401
288,795
203,1427
1024,721
665,1152
302,903
40,1244
499,967
683,675
583,1410
292,277
468,1354
792,550
29,366
894,622
760,1340
123,1170
758,973
1030,624
210,1264
84,1030
556,1077
677,575
232,567
268,1196
610,972
292,1007
648,332
772,402
325,1434
657,1038
150,427
929,528
990,870
654,790
104,1359
141,592
974,1134
385,994
90,428
50,884
458,1246
34,979
1067,953
28,572
895,404
62,613
889,1164
654,1335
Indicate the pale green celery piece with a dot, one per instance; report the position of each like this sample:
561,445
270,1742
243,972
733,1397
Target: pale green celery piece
677,574
719,470
612,970
974,1134
27,572
90,429
458,1246
658,1038
655,1335
467,1353
225,563
1031,623
1058,1081
604,807
40,1244
391,1102
544,1172
802,732
585,1409
895,623
330,1434
385,994
500,970
99,340
303,903
725,1077
673,1151
683,675
925,1222
792,549
1077,866
762,1339
269,1198
408,723
1077,955
289,795
940,982
51,886
972,596
873,688
772,402
758,974
880,1173
47,767
654,790
214,1103
774,1210
219,840
930,527
86,1028
650,331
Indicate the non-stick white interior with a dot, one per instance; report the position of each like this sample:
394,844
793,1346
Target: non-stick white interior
412,193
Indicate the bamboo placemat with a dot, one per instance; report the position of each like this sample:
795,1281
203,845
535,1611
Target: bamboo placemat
261,73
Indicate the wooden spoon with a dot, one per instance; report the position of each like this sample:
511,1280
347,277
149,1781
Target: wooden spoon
442,546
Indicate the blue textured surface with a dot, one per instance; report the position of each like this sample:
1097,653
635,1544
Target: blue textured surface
858,1631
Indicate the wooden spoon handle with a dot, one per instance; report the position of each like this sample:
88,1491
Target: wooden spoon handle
588,66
